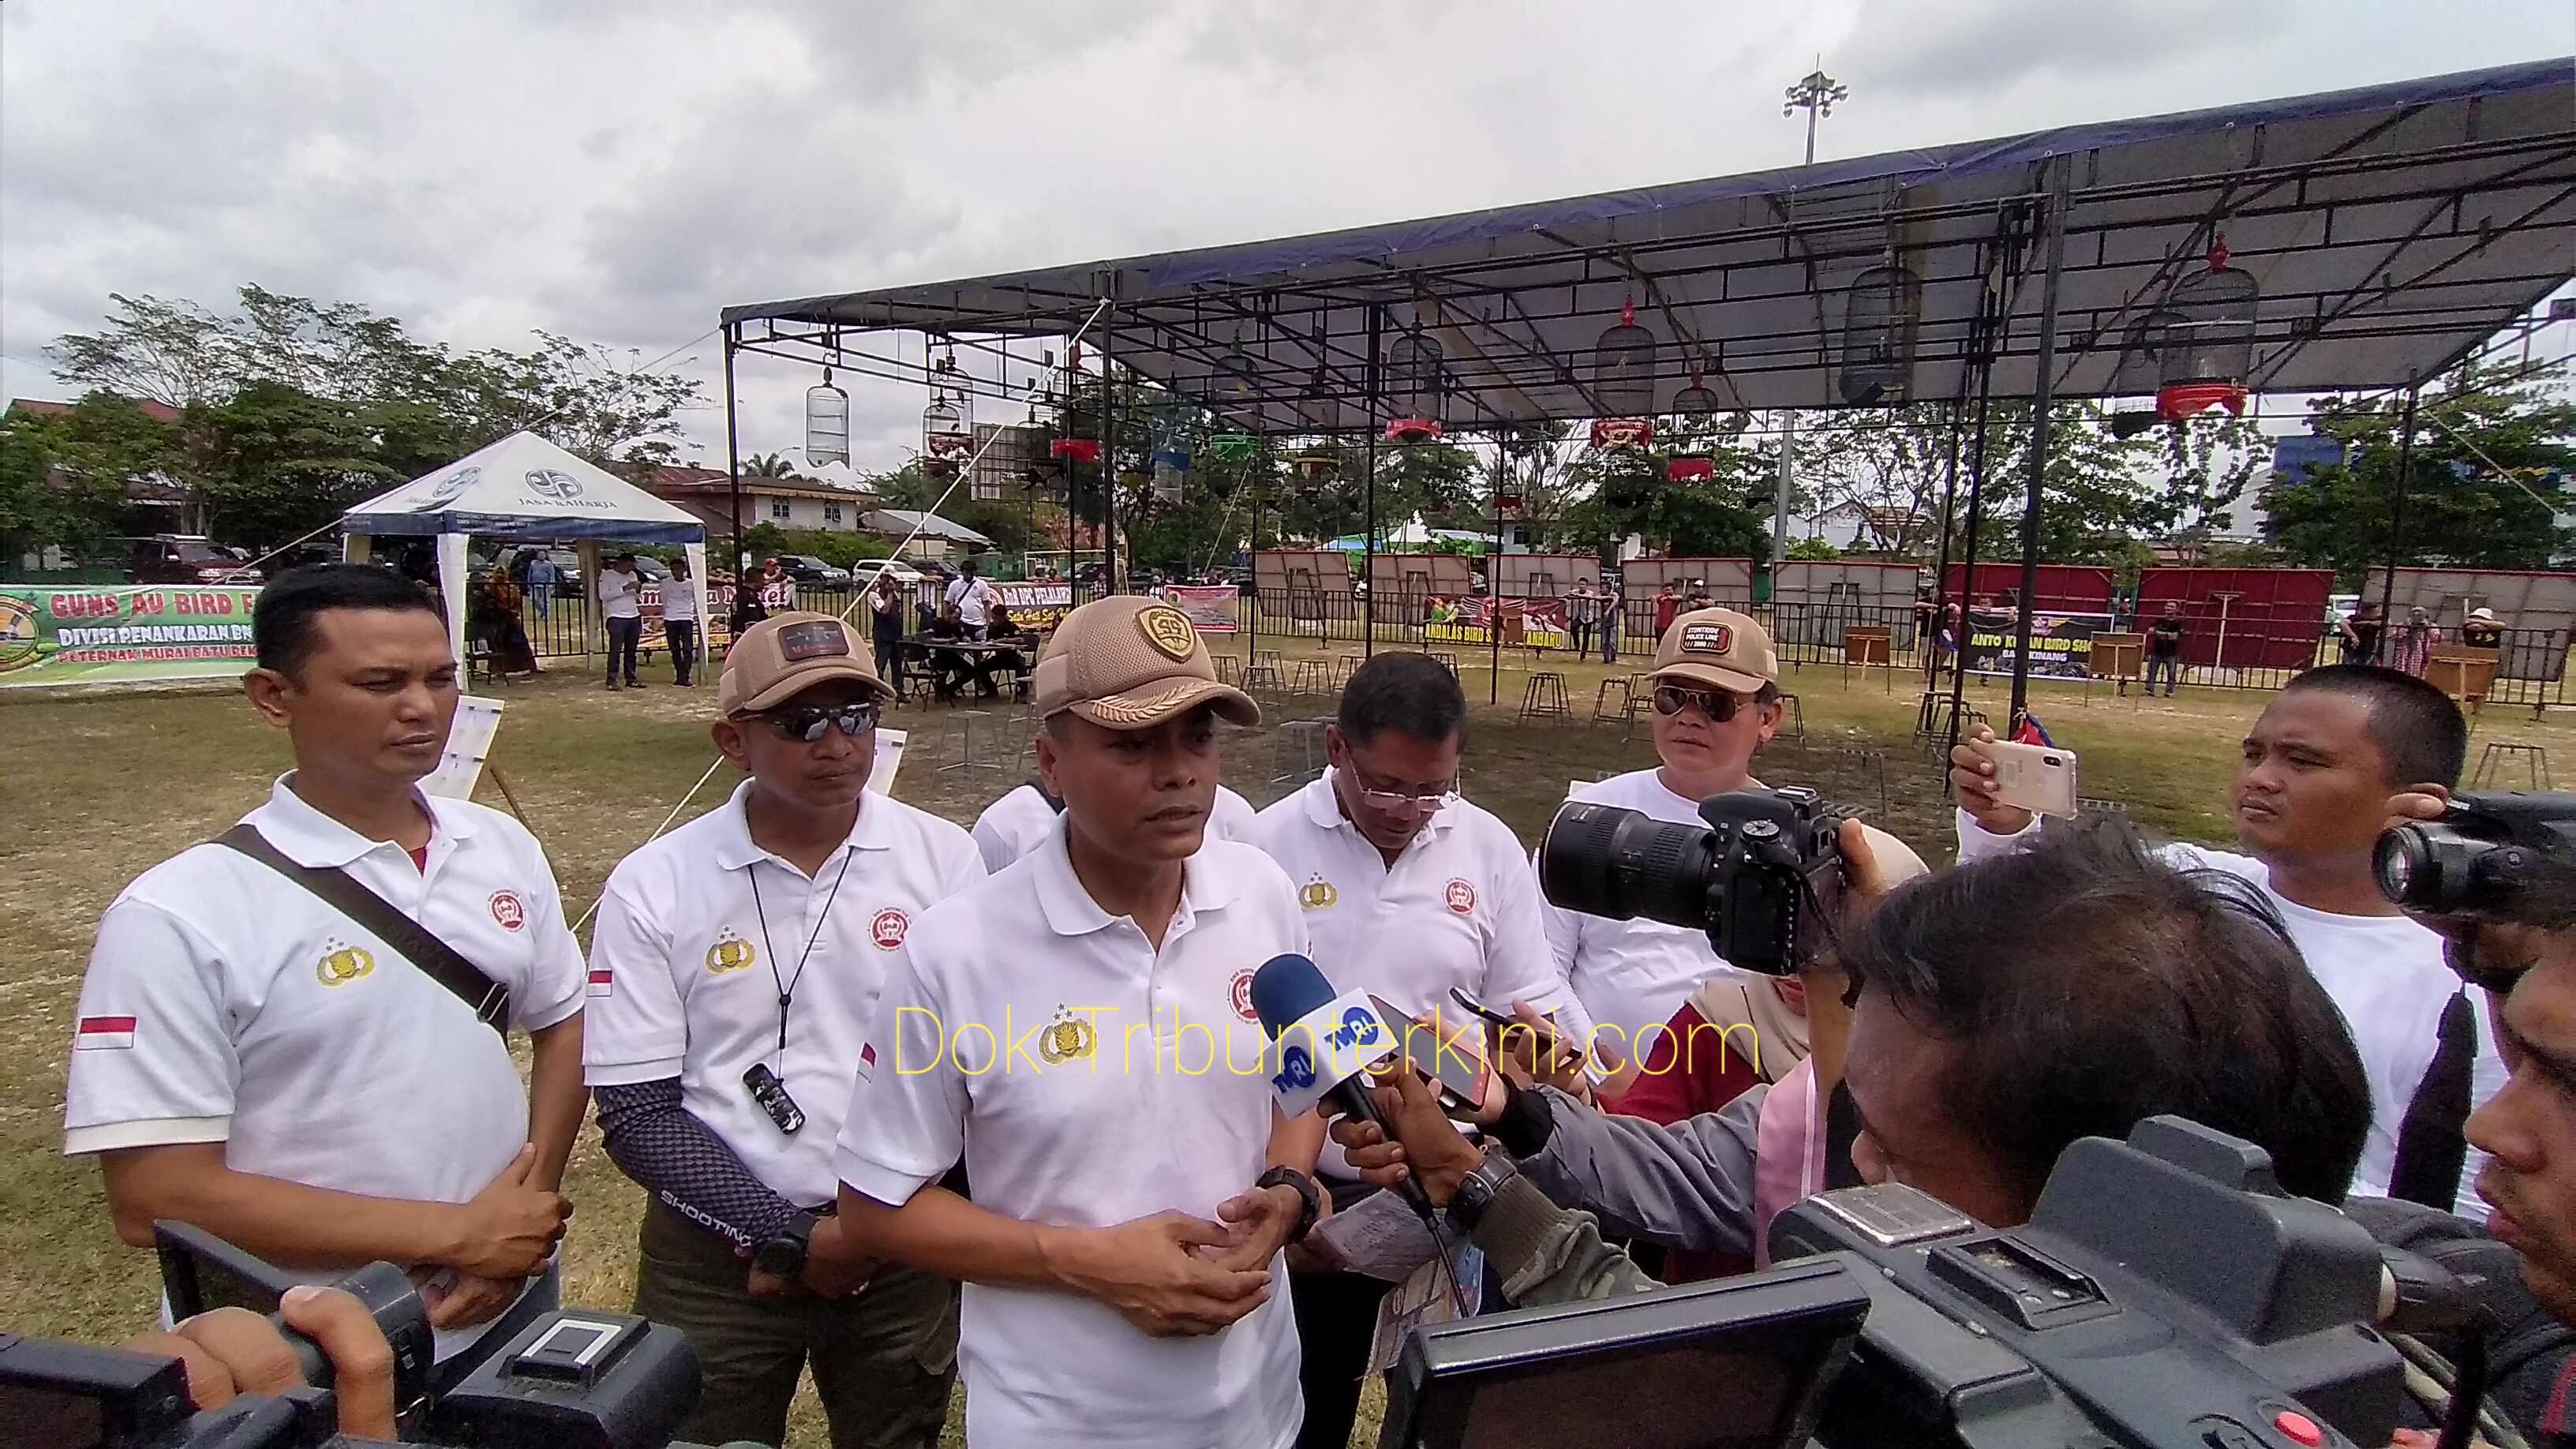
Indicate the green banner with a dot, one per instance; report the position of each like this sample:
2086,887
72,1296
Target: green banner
77,634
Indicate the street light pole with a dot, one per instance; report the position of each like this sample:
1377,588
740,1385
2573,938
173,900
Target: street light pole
1816,93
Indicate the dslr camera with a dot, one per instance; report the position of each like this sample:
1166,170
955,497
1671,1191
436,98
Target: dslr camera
1762,876
2480,857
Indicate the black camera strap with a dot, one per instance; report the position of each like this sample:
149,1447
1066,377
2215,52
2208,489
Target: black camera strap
488,999
2432,1141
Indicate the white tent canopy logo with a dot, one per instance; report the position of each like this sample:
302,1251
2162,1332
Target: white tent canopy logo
551,483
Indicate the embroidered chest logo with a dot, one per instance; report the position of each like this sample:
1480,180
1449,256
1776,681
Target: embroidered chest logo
730,953
888,928
1318,894
1239,991
509,910
1068,1038
341,965
1461,897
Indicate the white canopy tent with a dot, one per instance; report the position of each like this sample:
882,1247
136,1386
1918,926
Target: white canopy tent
522,489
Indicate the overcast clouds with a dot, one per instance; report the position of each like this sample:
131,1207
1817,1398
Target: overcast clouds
619,171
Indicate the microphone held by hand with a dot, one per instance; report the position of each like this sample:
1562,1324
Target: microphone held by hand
1326,1043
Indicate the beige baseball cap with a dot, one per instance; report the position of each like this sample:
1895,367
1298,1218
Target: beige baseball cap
788,653
1130,663
1718,647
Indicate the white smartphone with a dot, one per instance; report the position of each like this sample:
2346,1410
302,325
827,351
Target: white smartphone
2037,778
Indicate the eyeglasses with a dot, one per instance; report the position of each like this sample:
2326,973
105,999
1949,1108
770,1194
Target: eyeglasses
1393,800
809,723
1718,704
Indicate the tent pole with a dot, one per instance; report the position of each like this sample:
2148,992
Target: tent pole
1941,572
2042,383
1968,548
1368,514
1111,583
1494,590
733,478
2396,529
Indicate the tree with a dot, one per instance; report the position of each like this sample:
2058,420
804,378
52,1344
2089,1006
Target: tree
276,463
63,475
578,397
1626,490
768,465
2485,482
2209,459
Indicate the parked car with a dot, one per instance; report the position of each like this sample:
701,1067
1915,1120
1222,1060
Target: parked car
567,568
864,576
177,558
805,568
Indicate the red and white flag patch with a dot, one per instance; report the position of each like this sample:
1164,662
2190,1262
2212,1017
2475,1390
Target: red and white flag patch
602,983
867,1061
103,1034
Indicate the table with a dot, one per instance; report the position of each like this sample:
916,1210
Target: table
968,659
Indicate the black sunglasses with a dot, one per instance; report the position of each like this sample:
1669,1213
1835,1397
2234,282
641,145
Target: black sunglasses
808,723
1718,704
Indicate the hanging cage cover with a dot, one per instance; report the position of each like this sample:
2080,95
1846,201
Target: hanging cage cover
1623,432
1234,447
1316,462
1690,468
1413,430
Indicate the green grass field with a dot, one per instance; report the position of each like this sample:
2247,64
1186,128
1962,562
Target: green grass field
95,788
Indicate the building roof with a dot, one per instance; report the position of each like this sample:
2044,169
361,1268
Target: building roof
672,480
2391,229
158,412
901,522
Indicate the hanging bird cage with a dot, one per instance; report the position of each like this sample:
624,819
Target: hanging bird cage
2208,349
1234,447
1690,468
1623,367
1233,388
2142,355
948,424
1879,313
1322,406
1075,450
1413,373
1612,433
827,423
1316,464
1699,403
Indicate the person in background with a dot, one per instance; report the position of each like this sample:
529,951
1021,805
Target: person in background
1582,608
1668,607
2164,648
949,668
363,1110
972,596
680,622
777,588
2310,800
539,581
2411,644
2481,629
1612,605
508,635
1698,597
2359,635
621,595
752,943
885,628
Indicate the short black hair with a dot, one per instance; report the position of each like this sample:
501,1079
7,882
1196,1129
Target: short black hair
2088,986
2419,731
1411,692
281,623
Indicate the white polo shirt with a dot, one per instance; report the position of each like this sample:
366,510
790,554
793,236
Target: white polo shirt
1089,1080
620,594
226,1003
1459,908
2386,975
1632,975
970,596
1012,826
686,970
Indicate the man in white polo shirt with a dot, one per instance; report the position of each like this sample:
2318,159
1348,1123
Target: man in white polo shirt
733,975
1014,825
256,1062
973,596
1410,893
1081,1026
1716,701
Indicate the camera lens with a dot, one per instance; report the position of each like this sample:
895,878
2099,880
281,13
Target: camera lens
2398,860
1604,861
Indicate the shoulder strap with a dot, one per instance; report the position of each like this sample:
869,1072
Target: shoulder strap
1053,803
488,999
2432,1146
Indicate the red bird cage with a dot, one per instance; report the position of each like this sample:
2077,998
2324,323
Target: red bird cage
1623,366
1623,432
1690,468
2206,346
1075,450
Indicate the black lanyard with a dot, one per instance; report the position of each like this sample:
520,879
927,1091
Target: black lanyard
787,985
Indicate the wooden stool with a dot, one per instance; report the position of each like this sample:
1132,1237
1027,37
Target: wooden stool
2500,756
1448,662
1544,697
1311,676
1793,719
1263,676
1862,762
1229,670
1343,668
1601,710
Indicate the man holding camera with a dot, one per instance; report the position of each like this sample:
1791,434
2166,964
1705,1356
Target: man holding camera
1129,1210
1716,701
1410,893
736,966
292,1037
2310,800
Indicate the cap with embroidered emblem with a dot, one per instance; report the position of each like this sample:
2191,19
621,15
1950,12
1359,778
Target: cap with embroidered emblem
1130,663
1719,647
788,653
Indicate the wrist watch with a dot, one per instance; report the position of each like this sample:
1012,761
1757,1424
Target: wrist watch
784,1255
1475,1192
1310,1198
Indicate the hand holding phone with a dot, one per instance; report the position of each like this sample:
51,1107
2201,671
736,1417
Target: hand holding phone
2037,778
1450,1060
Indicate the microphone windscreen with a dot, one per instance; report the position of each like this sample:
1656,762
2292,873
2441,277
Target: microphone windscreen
1285,989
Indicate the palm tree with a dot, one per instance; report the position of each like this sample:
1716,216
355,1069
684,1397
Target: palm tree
768,465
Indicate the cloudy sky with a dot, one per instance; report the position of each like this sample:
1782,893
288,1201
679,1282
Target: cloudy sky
618,170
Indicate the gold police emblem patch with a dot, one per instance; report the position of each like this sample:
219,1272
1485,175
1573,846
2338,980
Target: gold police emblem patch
1168,629
729,953
344,964
1318,895
1068,1038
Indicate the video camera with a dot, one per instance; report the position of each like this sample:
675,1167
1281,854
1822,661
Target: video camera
2165,1295
2480,857
1767,864
574,1379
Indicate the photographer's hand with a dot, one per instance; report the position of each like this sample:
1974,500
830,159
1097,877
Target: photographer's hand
1426,1146
233,1351
1972,784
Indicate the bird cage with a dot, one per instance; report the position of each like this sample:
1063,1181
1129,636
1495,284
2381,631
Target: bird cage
1316,464
1699,404
827,422
2142,353
1880,308
1234,447
947,437
1413,381
1623,367
1321,407
2208,349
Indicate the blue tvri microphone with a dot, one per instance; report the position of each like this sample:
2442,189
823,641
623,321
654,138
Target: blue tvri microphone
1326,1041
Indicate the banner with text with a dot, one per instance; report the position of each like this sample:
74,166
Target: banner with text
1039,606
2061,645
1527,623
1211,608
110,634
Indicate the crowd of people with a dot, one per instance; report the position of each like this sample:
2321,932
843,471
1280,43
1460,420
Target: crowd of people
956,1107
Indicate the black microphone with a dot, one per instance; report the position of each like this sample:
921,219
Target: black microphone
1289,993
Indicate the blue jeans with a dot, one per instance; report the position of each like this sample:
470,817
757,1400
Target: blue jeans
2171,664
